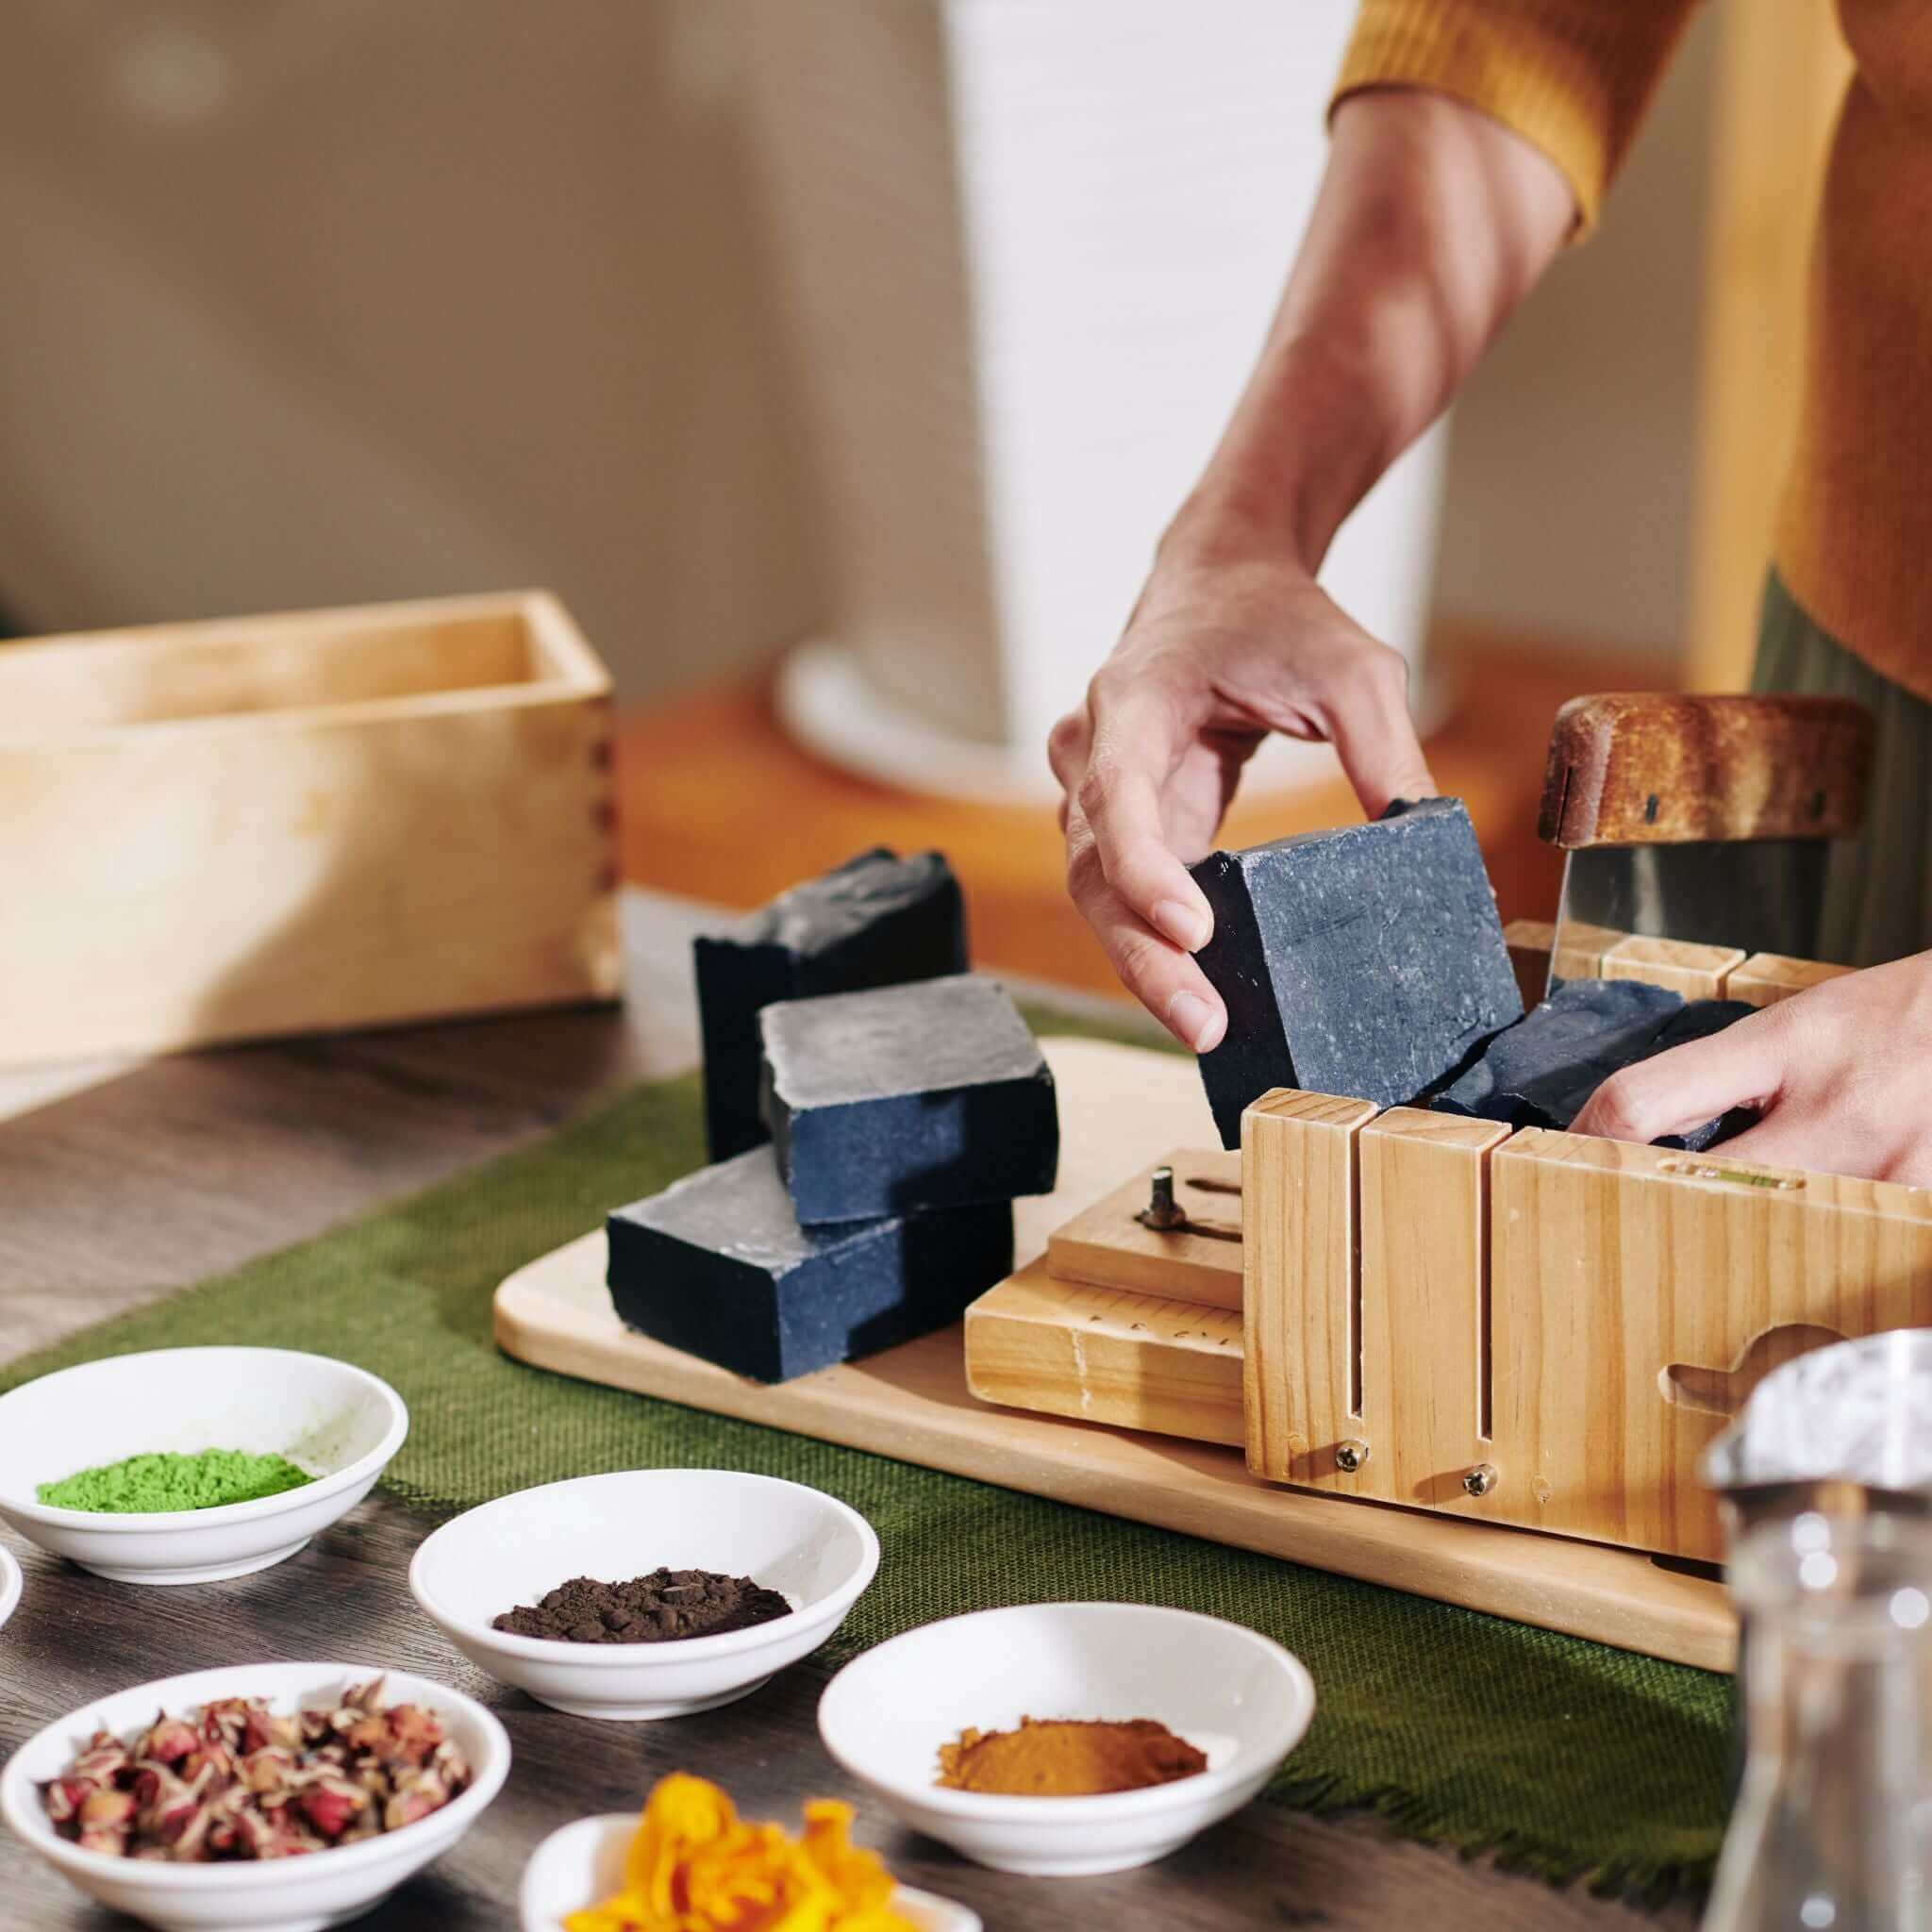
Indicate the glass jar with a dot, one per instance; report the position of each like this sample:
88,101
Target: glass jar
1832,1831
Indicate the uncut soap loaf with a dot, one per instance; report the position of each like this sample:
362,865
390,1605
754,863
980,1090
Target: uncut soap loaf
718,1265
1366,961
877,920
1540,1072
930,1095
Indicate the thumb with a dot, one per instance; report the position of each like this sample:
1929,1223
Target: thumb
1742,1066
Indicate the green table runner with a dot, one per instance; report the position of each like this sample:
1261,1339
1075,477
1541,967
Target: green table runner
1562,1756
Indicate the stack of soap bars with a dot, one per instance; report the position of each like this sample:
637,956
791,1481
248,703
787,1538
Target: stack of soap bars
1370,962
872,1109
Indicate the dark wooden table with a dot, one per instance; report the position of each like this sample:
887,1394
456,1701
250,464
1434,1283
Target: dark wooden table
113,1195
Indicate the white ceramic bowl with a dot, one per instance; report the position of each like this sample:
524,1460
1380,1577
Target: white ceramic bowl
584,1862
339,1422
11,1582
276,1895
797,1541
1235,1695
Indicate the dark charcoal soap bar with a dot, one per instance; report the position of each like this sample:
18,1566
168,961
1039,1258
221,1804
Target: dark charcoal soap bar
1367,962
717,1266
930,1095
874,921
1538,1073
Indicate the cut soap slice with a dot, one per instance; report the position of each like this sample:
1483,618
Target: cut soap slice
717,1266
930,1095
874,921
1367,963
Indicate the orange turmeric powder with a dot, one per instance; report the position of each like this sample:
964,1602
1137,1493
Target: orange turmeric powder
1064,1758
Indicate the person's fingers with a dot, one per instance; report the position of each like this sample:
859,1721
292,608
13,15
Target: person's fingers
1159,973
1066,749
1119,798
1742,1066
1373,735
1775,1143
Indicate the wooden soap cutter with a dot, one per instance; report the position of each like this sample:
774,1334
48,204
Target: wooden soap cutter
1456,1291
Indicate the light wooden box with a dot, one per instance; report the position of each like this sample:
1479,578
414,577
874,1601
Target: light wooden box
303,821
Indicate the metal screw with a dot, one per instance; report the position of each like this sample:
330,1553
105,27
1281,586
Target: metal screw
1480,1480
1161,1210
1351,1455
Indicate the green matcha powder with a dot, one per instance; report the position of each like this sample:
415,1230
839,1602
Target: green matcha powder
140,1484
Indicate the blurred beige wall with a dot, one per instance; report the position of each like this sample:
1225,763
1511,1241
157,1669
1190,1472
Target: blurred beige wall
307,303
1573,454
484,288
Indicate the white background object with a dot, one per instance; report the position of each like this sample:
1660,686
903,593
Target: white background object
302,311
1033,251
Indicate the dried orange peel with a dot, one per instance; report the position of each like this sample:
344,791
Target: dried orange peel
695,1866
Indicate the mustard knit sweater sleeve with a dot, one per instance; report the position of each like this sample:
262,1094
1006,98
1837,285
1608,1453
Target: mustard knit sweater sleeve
1571,77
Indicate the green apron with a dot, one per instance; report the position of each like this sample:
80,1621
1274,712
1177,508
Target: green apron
1878,887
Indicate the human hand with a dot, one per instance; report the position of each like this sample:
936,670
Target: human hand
1838,1072
1217,655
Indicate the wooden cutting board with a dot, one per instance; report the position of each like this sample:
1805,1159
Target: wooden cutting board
1121,1109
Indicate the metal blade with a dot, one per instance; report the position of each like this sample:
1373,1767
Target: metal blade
1763,896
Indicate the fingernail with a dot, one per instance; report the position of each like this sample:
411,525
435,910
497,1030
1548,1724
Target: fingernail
1184,927
1195,1021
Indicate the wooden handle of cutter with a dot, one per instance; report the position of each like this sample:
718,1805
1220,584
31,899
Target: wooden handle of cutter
1658,769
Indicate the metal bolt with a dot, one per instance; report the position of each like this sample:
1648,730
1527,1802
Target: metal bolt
1161,1210
1480,1480
1351,1455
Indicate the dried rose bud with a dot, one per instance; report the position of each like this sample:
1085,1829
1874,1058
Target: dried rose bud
101,1763
416,1732
267,1769
366,1734
100,1809
175,1810
211,1762
191,1842
62,1797
416,1797
263,1730
289,1842
330,1807
224,1719
254,1833
168,1742
153,1783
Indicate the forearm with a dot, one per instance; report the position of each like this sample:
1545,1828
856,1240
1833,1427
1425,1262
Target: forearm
1432,222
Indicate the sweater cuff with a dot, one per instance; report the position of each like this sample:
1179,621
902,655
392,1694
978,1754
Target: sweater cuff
1573,77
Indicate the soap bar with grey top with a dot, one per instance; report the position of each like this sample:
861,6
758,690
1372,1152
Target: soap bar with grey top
1367,962
1540,1072
717,1265
874,921
928,1095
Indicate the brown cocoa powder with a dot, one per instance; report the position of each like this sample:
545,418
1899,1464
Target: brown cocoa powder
661,1607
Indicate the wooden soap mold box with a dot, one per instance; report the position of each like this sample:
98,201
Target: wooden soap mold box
316,819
